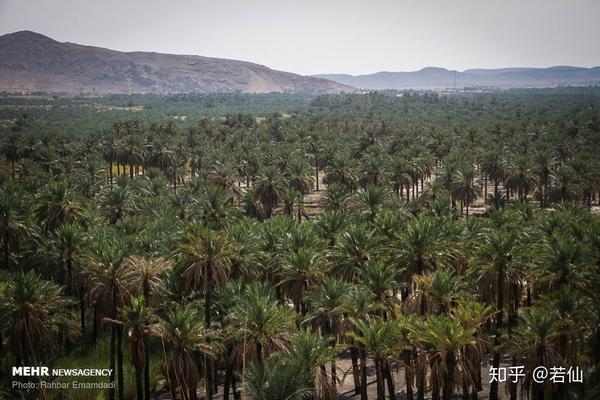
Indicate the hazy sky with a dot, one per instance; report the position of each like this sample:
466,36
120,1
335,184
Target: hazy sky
329,36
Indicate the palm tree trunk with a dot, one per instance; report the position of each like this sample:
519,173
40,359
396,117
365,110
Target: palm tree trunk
379,377
139,388
95,323
538,388
512,386
355,369
111,379
2,356
435,385
146,368
82,310
408,378
421,375
6,251
496,188
544,198
485,185
324,378
333,376
317,173
499,317
390,380
363,371
121,376
227,381
259,357
113,337
207,362
449,376
215,378
236,393
110,172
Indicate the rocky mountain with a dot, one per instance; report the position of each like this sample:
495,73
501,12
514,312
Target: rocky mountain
441,78
33,62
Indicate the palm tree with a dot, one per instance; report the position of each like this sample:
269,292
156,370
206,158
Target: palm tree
226,300
422,245
544,162
372,169
520,177
289,199
108,282
223,175
446,337
297,177
492,165
108,151
12,222
315,149
465,189
35,316
446,174
534,344
564,185
561,261
300,269
327,307
133,150
262,324
495,258
137,319
276,381
57,205
89,178
309,350
371,201
216,206
205,257
398,172
587,177
341,171
336,197
472,315
183,333
435,292
267,189
11,151
66,248
380,278
145,277
360,304
329,224
182,201
119,202
379,338
67,243
353,249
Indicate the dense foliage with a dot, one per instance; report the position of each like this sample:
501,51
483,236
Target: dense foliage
239,244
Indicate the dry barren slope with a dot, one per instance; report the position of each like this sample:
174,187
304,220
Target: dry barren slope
33,62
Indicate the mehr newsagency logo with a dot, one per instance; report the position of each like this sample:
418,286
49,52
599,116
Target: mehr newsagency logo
45,372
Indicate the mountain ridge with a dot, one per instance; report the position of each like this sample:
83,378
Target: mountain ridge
30,61
442,78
